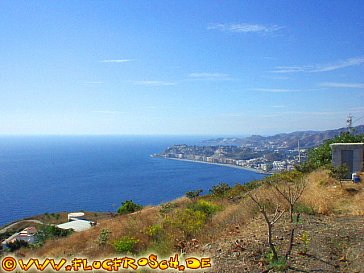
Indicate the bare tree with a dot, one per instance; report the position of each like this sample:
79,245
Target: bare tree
291,191
270,222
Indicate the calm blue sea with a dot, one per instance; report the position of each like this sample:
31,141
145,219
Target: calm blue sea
53,174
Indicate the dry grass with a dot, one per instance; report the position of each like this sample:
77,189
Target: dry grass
85,243
327,196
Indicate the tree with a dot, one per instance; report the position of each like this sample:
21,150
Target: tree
220,189
128,207
291,191
270,223
193,194
290,185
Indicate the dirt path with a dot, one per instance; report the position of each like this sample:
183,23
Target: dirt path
22,221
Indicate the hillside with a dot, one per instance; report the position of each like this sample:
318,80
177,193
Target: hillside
308,139
232,231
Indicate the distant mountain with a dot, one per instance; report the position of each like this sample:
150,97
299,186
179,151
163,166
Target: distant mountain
308,139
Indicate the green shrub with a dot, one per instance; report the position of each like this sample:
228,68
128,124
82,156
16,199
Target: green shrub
128,207
189,221
305,239
286,176
103,237
339,173
280,265
156,232
163,247
252,185
302,208
193,194
126,245
167,208
17,244
46,232
220,189
161,244
206,207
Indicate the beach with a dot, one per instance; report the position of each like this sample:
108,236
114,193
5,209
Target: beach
220,164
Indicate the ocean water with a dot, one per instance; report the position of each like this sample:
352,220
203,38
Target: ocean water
54,174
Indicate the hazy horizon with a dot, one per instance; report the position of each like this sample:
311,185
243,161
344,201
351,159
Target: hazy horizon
165,135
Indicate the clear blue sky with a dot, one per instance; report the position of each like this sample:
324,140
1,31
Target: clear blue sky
180,67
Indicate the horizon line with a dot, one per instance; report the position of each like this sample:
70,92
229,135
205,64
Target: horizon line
158,135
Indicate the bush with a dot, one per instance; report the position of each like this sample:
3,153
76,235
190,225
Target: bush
103,237
128,207
163,248
286,176
126,245
189,221
161,244
49,231
339,173
280,265
167,208
193,194
206,207
155,232
302,208
305,239
220,189
252,185
17,244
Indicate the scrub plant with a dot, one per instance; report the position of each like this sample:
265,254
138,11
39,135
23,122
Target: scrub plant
103,237
126,245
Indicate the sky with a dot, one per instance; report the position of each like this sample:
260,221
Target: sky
180,67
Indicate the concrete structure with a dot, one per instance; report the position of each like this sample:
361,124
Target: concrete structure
349,154
77,225
75,216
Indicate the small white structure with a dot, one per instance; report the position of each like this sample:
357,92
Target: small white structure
348,154
77,225
75,216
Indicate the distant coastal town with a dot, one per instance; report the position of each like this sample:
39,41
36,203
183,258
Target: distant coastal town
264,154
264,159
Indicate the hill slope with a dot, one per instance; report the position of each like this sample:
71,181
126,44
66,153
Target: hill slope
308,139
235,235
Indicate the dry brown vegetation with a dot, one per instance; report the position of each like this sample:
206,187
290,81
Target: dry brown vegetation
237,217
327,196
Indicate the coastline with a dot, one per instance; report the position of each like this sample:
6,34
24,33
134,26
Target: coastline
219,164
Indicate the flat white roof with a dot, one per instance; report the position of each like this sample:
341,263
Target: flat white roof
78,225
76,214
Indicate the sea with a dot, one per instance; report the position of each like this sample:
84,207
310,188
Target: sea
40,174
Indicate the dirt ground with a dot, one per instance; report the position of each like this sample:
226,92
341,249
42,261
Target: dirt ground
336,244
